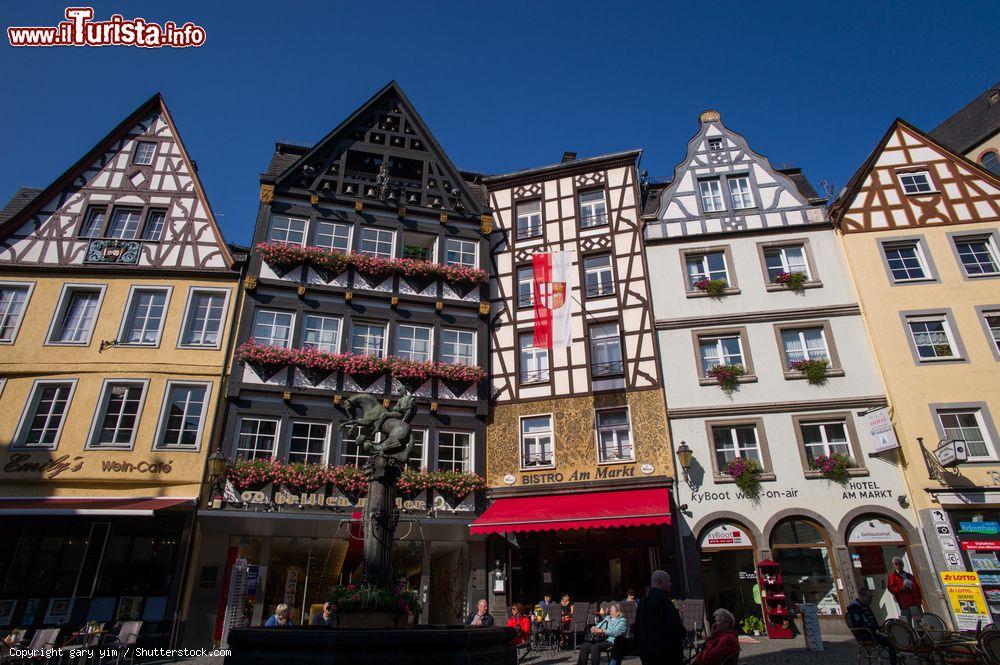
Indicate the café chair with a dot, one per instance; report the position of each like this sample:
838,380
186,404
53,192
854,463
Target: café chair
126,638
989,646
906,642
579,623
44,638
870,652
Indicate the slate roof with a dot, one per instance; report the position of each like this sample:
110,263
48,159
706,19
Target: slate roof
285,154
651,198
21,198
801,182
973,123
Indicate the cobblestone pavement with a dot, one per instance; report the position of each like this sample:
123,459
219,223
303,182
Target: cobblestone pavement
766,652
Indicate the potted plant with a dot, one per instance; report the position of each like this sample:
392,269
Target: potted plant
413,482
454,486
253,474
793,281
264,360
281,257
727,376
366,606
813,370
716,288
835,467
752,625
349,480
303,477
746,474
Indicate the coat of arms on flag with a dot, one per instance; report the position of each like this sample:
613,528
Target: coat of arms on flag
553,272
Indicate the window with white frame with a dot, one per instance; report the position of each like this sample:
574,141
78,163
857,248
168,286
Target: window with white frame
723,350
599,278
118,414
992,320
413,342
614,436
593,210
321,333
605,349
144,317
183,416
76,314
377,242
307,443
368,339
536,442
990,162
715,144
802,344
203,318
455,451
45,414
351,452
13,301
732,441
825,438
789,259
711,195
906,261
534,360
525,286
458,347
932,337
93,223
416,460
420,246
461,253
529,219
968,425
273,327
739,192
257,438
978,255
917,182
144,152
288,230
124,224
333,236
709,265
155,220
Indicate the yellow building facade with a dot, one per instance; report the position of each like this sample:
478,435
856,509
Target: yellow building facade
919,224
117,294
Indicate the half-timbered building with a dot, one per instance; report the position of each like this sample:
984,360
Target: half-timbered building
578,457
768,373
369,274
117,294
919,224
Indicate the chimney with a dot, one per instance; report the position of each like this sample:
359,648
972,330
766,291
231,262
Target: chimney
568,157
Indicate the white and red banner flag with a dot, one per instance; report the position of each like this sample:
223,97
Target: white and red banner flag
553,289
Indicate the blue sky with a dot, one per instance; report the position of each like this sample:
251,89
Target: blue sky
503,85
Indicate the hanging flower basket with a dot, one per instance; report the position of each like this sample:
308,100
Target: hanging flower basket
303,477
716,288
813,370
835,467
727,376
264,360
349,480
746,473
328,263
280,257
412,482
793,281
454,486
365,606
253,474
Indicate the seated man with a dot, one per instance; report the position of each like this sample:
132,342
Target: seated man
324,618
865,626
722,642
482,616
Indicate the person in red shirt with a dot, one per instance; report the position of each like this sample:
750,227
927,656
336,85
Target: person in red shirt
520,622
722,642
906,590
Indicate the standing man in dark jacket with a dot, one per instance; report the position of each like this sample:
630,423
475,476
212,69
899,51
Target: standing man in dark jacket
659,631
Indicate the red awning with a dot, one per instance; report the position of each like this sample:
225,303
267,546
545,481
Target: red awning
587,510
85,506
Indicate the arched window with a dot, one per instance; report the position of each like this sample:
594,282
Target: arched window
803,551
990,162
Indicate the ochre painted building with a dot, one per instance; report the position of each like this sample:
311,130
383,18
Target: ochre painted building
919,224
117,292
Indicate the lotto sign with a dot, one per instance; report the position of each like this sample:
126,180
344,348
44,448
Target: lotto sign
966,600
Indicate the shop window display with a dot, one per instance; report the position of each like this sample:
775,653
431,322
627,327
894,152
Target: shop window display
805,556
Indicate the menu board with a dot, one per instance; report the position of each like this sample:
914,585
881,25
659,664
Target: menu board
810,626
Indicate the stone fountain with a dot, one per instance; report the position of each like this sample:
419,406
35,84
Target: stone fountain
385,434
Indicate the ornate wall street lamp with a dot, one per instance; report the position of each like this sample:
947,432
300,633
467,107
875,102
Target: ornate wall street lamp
216,471
684,456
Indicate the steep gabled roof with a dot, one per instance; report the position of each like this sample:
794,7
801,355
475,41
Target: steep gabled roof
69,178
22,197
973,123
407,138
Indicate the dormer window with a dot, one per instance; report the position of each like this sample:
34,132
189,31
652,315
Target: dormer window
715,144
916,182
711,195
739,192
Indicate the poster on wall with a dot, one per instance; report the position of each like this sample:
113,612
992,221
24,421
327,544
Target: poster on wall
7,611
965,599
880,429
59,610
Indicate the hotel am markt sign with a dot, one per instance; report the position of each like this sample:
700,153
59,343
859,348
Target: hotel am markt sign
880,428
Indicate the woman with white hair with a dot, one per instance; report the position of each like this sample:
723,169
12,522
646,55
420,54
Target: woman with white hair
722,642
280,619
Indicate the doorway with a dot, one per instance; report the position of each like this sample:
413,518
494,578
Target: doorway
728,571
872,543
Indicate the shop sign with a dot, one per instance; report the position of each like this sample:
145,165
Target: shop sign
951,453
726,536
43,465
873,531
966,600
335,501
983,545
985,528
881,431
